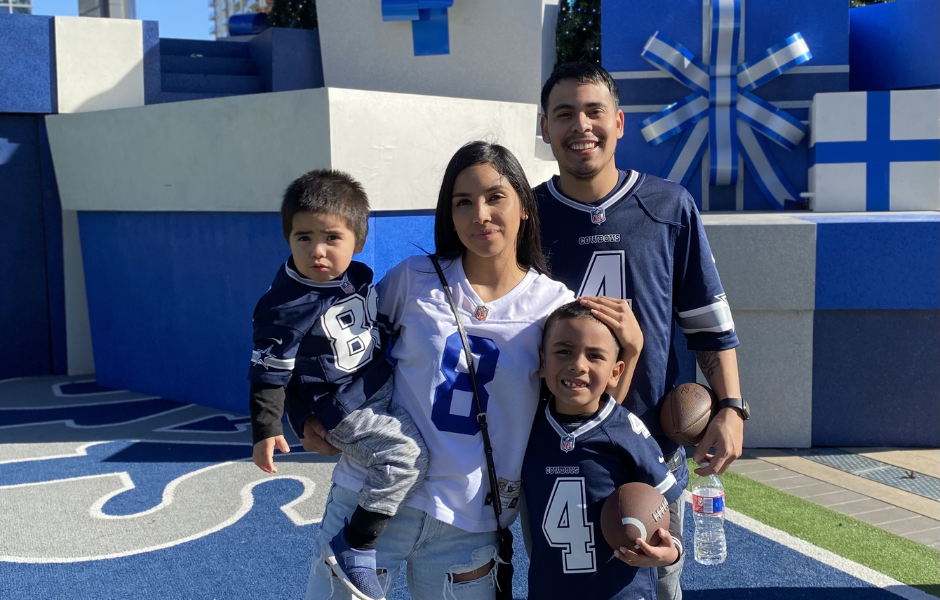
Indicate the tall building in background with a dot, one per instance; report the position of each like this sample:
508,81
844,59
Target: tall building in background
223,9
16,6
109,9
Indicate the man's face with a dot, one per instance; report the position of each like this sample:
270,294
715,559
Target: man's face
582,125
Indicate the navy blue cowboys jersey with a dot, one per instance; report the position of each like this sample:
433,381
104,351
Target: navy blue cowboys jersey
645,243
321,342
567,477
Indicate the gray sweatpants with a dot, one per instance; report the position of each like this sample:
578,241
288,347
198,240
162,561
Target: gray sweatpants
381,437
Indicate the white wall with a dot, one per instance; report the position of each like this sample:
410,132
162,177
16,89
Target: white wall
398,145
99,63
226,154
495,50
239,153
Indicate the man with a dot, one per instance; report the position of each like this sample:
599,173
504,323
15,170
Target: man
638,240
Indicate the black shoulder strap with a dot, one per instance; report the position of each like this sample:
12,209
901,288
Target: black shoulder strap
481,415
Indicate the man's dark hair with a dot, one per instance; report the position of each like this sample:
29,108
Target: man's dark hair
528,242
569,312
331,192
583,72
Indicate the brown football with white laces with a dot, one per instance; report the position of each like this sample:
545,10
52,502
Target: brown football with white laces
685,412
634,510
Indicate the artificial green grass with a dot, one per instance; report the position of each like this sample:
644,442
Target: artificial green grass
877,549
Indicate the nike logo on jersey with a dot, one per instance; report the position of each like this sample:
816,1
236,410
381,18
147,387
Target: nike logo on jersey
275,340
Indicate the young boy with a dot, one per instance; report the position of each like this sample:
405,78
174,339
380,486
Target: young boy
318,351
583,446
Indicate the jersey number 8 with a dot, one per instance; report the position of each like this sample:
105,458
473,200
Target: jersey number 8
350,325
464,419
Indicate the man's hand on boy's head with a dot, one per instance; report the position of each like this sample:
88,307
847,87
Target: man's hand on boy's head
314,439
664,553
262,454
617,315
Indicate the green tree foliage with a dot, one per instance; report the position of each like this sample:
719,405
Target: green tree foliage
578,32
299,14
857,3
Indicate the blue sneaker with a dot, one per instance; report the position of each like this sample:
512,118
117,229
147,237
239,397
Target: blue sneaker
355,568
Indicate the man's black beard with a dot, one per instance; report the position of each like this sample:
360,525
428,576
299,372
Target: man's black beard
588,173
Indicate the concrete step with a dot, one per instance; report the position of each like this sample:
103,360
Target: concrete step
166,97
205,48
207,65
211,84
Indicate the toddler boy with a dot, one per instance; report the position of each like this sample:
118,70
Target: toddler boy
317,350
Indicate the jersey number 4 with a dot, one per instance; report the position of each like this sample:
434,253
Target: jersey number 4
606,276
565,525
350,324
461,416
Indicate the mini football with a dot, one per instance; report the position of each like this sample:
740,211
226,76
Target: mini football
685,412
634,510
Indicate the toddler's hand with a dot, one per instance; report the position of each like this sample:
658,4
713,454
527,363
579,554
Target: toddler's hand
662,554
263,452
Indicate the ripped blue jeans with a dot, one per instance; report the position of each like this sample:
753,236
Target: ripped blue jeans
433,550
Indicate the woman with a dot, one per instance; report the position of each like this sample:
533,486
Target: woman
486,234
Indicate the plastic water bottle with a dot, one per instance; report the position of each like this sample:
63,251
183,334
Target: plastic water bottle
708,504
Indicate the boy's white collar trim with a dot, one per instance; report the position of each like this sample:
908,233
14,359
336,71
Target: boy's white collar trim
338,282
585,427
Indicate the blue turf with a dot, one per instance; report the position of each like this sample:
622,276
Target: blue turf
264,555
91,415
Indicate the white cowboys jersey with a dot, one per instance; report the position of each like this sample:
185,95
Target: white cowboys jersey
432,383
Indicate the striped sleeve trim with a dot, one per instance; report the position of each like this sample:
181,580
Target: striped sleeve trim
666,483
269,362
715,318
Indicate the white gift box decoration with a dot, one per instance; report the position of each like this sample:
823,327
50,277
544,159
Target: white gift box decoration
875,151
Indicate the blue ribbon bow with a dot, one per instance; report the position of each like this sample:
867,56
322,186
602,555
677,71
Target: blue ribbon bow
720,92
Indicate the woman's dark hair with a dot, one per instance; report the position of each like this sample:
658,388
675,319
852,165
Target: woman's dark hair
528,242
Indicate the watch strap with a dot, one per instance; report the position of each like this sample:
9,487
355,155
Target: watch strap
737,403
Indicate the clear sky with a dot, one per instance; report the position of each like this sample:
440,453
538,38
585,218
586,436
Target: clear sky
178,18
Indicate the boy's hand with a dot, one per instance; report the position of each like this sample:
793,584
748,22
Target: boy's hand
263,452
663,554
314,439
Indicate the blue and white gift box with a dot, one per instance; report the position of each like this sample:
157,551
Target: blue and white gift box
716,94
875,151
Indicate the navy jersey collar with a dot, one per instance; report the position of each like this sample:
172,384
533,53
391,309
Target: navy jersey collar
587,426
625,185
339,282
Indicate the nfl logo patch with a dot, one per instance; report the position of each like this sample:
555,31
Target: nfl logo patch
567,443
481,313
348,287
598,216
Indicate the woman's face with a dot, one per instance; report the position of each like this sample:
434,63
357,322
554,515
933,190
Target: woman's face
487,212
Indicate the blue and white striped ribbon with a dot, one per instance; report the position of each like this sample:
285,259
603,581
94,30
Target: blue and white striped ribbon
720,92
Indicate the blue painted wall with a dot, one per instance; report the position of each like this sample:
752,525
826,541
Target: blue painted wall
24,306
170,295
895,45
876,378
892,262
288,59
27,64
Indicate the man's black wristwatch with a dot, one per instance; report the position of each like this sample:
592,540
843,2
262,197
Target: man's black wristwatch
738,403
